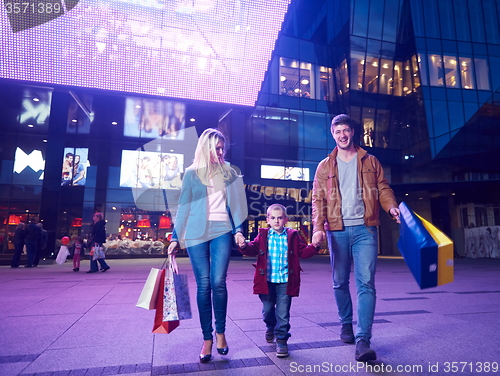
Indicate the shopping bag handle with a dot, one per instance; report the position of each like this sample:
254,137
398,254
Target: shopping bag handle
170,263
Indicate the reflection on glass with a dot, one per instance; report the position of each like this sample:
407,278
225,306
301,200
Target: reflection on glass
371,74
422,68
482,74
357,70
450,71
284,173
436,76
466,73
397,84
368,127
289,77
386,78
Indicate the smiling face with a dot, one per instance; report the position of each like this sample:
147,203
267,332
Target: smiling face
343,136
277,219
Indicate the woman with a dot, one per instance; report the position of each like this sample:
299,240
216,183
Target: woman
18,242
97,237
212,206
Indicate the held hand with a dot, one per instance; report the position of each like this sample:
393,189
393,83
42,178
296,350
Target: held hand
240,240
318,238
172,248
395,214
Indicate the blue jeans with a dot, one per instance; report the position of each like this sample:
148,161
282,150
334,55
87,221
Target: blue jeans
358,244
276,310
210,261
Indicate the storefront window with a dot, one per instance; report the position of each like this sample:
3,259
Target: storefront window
326,84
304,89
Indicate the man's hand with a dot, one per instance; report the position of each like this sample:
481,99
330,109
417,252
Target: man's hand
240,240
318,238
395,214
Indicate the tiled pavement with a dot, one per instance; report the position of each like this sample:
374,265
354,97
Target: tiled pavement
57,322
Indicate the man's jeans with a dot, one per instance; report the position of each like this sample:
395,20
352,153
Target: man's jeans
31,247
276,310
210,261
358,244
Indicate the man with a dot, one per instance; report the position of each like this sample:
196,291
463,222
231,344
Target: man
348,186
42,243
33,233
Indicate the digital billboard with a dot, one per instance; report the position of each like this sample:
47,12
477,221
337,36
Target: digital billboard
210,50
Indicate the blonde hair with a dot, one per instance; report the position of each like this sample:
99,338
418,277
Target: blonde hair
274,207
205,154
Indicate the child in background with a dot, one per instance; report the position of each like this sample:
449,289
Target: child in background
277,273
77,250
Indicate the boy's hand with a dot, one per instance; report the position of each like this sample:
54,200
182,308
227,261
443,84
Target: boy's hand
240,240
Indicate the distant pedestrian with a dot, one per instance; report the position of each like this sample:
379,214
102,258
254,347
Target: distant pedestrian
33,234
18,242
77,250
97,237
42,244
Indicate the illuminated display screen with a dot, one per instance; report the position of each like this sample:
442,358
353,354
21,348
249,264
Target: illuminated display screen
28,167
153,118
210,50
284,173
74,166
149,169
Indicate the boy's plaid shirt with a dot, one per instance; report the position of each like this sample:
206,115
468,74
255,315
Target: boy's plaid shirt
277,260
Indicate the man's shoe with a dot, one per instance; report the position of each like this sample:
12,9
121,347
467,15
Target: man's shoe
92,271
363,351
281,349
269,336
28,266
106,268
347,334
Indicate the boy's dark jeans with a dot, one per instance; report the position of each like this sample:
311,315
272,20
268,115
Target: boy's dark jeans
276,310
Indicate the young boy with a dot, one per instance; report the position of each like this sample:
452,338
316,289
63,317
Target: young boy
277,273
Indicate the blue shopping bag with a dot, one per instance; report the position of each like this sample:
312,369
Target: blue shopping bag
428,252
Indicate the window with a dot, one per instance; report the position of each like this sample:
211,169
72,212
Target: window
372,75
481,217
436,77
357,70
289,76
482,74
466,73
450,71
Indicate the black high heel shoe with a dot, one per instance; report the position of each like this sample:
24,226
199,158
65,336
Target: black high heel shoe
206,358
223,350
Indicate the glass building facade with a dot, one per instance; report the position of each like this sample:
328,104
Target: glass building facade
417,77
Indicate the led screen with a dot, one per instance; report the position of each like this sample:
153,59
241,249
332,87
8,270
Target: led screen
284,173
74,166
211,50
153,118
28,167
149,169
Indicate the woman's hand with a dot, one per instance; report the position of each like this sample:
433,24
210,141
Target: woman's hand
172,248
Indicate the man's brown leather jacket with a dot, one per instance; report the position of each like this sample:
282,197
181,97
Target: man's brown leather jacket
326,198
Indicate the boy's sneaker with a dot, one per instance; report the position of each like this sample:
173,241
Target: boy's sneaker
281,349
269,336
